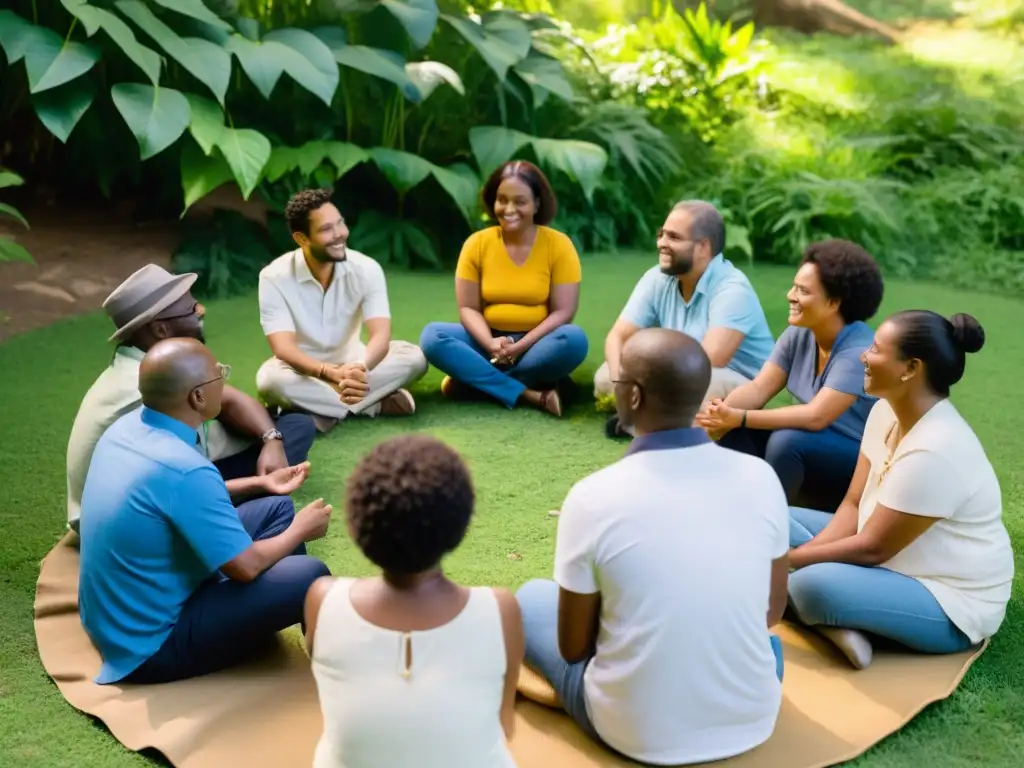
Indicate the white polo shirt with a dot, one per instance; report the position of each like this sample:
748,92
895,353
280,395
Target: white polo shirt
939,469
679,538
327,323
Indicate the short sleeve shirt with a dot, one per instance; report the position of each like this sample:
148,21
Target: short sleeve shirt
516,297
156,522
940,470
680,533
797,354
723,298
326,322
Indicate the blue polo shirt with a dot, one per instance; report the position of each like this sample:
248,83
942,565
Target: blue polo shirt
156,522
797,354
723,298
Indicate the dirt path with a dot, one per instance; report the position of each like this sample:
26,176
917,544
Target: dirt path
81,256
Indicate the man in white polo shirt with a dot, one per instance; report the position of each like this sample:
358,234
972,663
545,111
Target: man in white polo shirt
671,566
314,302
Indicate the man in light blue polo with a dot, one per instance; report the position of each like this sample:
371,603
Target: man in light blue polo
695,290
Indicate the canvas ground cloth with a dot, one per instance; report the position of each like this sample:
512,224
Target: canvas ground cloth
266,714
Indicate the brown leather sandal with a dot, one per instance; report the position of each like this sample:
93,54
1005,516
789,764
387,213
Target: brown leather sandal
551,402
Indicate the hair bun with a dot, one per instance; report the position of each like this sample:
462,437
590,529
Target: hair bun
967,332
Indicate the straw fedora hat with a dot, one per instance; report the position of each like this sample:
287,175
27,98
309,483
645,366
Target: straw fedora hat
143,296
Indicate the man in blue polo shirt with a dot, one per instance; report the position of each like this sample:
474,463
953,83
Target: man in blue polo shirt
696,291
174,580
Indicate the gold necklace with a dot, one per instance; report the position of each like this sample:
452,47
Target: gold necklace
894,437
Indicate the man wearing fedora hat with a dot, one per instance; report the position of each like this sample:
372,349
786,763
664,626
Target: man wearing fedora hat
243,442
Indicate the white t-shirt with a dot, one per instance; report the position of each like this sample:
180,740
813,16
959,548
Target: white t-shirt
327,323
679,541
940,470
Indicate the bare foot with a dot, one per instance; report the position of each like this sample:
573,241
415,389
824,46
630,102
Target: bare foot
398,403
854,645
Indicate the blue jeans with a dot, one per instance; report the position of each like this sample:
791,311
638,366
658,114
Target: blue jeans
451,349
538,602
225,622
815,467
869,599
297,432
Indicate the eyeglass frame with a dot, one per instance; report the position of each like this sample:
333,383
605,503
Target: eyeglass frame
225,373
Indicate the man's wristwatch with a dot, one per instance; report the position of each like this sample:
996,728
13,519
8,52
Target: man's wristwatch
272,434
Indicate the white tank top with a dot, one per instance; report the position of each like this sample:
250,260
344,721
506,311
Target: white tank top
442,711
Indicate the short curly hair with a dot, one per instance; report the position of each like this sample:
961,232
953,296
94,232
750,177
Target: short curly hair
303,203
531,176
409,503
850,274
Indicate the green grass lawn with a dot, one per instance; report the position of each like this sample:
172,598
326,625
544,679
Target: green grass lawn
523,463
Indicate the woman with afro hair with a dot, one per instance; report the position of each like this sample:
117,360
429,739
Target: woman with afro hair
812,445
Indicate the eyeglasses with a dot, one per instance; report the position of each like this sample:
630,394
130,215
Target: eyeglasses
225,373
196,308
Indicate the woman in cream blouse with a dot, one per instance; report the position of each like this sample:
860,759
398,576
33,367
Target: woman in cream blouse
917,553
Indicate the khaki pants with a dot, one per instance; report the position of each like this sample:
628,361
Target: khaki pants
280,384
723,381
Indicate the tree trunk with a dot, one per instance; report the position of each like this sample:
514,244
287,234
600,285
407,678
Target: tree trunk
809,16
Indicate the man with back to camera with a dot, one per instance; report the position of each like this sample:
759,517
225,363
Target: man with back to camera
671,566
175,582
313,303
696,290
245,442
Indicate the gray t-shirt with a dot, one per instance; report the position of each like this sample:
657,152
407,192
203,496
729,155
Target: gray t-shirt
796,352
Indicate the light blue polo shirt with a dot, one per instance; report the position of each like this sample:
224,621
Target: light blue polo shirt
156,522
797,354
723,298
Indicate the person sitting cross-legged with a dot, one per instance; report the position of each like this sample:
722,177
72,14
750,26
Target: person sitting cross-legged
411,668
917,553
812,445
174,581
670,570
314,302
517,286
244,442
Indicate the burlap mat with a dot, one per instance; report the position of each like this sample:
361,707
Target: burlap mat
266,714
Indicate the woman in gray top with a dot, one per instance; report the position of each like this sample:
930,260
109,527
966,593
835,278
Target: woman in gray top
812,445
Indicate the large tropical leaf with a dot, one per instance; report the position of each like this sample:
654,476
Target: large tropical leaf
428,75
10,179
311,155
502,43
246,152
405,170
60,109
156,116
462,185
201,173
378,62
50,61
196,10
206,123
94,19
208,62
266,60
419,17
544,76
12,251
581,161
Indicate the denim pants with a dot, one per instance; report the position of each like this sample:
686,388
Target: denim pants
224,622
870,599
297,432
450,348
815,467
538,603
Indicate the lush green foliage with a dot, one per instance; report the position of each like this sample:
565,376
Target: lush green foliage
9,249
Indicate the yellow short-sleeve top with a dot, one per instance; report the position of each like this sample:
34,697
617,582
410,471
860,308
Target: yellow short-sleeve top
515,298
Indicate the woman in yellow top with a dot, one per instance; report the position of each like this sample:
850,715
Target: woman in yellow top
517,286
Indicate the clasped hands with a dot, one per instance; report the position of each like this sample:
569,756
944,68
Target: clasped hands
505,351
718,418
350,380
